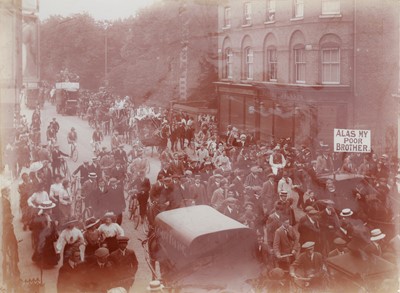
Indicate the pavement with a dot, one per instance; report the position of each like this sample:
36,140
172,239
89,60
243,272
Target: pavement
49,276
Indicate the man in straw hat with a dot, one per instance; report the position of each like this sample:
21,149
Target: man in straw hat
125,263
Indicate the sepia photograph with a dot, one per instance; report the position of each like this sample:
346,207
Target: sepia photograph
196,146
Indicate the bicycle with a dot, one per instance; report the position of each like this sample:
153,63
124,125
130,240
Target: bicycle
134,210
74,151
75,186
82,212
64,169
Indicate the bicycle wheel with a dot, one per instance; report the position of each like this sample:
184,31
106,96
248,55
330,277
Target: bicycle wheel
135,213
145,225
74,154
87,213
78,208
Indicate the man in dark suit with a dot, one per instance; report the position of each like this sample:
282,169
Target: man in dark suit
198,191
309,266
176,166
165,171
269,193
286,245
95,168
309,229
99,273
262,254
115,200
124,263
56,155
97,199
142,186
70,274
83,172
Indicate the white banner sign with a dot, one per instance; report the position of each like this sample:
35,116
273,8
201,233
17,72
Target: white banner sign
352,140
67,85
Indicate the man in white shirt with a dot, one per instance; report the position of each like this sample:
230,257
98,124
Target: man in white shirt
285,184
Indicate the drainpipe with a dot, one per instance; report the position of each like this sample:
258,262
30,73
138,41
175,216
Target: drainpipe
354,62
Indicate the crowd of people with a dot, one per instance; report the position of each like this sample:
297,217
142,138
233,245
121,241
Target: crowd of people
273,188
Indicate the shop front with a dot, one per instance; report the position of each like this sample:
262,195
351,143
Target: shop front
307,115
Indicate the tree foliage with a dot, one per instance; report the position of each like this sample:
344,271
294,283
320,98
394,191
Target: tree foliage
143,51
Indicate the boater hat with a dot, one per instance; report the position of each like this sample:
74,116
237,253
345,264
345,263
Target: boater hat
92,175
346,213
377,234
89,223
308,245
46,205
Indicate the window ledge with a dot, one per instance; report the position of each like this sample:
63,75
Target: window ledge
331,83
296,18
229,79
269,22
247,25
330,16
226,27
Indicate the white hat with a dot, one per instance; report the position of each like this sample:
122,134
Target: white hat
48,204
346,212
155,286
36,166
308,245
377,234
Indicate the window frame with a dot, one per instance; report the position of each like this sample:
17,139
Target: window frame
324,2
272,65
331,64
297,4
248,72
297,64
227,17
228,63
271,9
247,13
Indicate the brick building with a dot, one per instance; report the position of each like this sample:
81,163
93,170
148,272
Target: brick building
299,68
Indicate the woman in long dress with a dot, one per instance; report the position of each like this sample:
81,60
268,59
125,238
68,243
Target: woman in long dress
46,234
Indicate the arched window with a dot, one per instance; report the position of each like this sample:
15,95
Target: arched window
330,59
272,64
299,64
228,63
248,63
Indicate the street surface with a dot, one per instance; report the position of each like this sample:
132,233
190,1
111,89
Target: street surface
27,267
